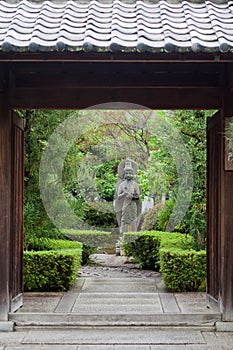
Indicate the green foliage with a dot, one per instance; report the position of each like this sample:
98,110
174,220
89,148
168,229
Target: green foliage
53,244
192,125
36,221
76,202
172,240
91,163
164,215
106,176
86,252
32,238
100,214
150,219
183,270
51,265
229,135
101,239
161,173
38,127
144,246
53,271
145,250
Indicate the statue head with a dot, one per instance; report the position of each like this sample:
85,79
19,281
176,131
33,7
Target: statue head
128,170
127,164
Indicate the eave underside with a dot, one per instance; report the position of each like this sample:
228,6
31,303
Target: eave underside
83,84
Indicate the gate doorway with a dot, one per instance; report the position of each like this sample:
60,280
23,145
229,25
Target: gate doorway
77,81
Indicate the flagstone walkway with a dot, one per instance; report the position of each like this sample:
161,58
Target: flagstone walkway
116,306
114,292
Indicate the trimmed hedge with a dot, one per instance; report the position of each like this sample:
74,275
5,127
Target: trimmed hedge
54,244
144,246
54,268
183,270
144,249
101,239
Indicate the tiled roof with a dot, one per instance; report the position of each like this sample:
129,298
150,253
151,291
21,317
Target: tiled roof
116,26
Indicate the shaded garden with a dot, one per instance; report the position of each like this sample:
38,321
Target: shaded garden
88,181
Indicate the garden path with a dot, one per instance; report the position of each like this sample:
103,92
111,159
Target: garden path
115,292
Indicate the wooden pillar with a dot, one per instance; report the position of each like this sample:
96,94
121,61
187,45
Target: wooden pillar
5,196
226,209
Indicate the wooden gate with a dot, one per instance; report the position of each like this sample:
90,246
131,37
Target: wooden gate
214,159
16,241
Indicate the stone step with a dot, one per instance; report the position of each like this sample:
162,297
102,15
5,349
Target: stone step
118,285
56,320
118,335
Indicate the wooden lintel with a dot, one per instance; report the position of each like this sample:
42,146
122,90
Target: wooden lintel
166,98
119,79
115,75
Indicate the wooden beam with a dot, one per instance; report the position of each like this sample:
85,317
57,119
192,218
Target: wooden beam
111,66
115,74
156,98
116,79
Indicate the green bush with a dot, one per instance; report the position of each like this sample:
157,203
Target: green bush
93,238
53,271
53,244
164,215
86,252
51,265
144,249
100,214
150,219
144,246
129,237
176,240
183,270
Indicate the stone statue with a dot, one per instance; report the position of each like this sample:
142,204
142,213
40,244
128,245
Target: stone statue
127,197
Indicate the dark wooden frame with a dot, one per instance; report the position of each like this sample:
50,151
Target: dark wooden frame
159,81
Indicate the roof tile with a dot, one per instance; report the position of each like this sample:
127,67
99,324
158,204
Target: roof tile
116,26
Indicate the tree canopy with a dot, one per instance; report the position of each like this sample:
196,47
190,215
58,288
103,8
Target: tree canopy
102,139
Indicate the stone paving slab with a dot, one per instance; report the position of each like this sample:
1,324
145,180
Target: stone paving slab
118,280
118,309
187,347
119,335
118,285
67,302
194,302
116,347
226,338
41,347
40,302
132,298
169,303
152,347
12,337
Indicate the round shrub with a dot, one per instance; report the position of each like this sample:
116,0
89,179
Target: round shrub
183,270
150,219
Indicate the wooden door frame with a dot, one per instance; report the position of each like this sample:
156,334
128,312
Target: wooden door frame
12,96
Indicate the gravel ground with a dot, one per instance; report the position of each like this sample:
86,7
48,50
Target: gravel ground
111,266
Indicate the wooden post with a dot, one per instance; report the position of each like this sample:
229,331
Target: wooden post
226,279
5,199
